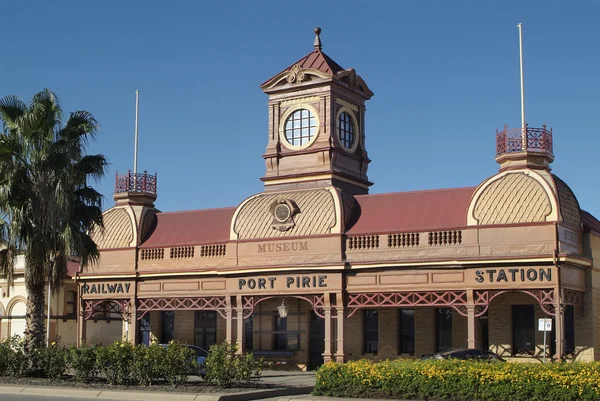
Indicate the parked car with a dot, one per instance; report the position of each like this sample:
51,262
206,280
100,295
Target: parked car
200,354
466,354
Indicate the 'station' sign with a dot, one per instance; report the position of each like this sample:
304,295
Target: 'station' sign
105,288
513,275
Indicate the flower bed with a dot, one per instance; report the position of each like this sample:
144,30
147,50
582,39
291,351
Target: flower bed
460,380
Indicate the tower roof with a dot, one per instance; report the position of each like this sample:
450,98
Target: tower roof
315,60
319,65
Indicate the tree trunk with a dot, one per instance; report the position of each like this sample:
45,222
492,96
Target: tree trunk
36,328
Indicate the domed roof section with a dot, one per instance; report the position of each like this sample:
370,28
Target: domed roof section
118,230
291,214
513,198
569,206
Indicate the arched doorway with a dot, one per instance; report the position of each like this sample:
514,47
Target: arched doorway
18,323
286,329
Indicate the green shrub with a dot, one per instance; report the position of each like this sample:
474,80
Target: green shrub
224,367
5,355
14,360
82,360
461,380
115,361
179,363
53,360
149,363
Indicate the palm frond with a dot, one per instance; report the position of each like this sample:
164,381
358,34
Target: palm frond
81,127
93,166
11,109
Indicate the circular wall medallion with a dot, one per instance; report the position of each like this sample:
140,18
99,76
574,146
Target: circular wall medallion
282,212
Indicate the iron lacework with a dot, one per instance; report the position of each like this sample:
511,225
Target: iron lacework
515,140
453,299
146,305
317,302
120,306
143,183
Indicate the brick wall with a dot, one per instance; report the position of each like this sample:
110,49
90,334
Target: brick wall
155,326
388,334
184,326
353,336
424,331
460,330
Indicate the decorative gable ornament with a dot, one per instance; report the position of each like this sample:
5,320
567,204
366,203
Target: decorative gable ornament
283,212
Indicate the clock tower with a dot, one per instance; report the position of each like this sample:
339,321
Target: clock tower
316,126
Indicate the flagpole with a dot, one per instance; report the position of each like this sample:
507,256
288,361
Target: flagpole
523,123
48,314
135,144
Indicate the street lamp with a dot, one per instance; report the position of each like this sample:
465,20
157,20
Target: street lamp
282,309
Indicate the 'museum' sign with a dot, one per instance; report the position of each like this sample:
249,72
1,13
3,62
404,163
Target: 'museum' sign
264,283
276,247
103,288
513,275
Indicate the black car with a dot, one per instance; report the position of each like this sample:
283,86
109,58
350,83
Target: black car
465,354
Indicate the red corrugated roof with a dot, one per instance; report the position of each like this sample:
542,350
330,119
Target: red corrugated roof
317,60
590,223
191,227
412,211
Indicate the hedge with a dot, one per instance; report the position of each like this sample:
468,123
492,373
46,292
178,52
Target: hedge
460,380
122,363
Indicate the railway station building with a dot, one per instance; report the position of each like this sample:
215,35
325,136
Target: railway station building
315,268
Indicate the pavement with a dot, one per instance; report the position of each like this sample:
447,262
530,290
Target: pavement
297,383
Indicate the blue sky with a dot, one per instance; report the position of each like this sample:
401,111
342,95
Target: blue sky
445,75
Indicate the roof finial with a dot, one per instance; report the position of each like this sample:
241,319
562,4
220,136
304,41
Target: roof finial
317,45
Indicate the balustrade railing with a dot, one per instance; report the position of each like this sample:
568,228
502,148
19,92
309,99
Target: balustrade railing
515,140
135,182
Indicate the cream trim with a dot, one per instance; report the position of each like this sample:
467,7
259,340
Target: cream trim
348,111
291,102
312,178
337,228
105,277
450,263
232,234
242,271
283,121
553,216
133,222
575,261
294,76
347,104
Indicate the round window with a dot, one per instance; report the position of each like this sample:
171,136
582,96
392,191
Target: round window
346,132
300,127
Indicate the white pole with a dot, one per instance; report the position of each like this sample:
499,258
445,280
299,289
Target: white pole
48,317
544,340
135,145
523,123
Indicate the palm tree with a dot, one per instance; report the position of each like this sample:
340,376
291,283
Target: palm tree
47,205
